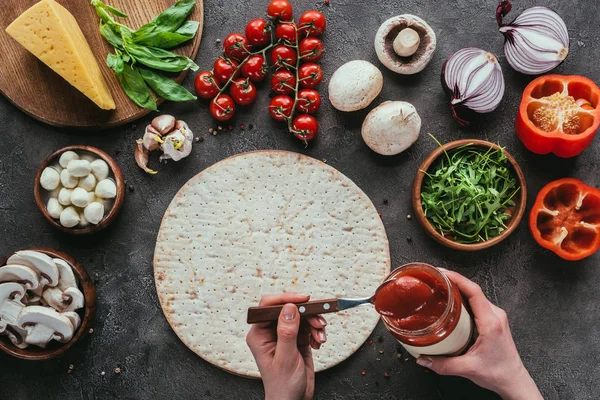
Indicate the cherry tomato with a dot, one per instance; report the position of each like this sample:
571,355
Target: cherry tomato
283,56
255,68
258,32
305,127
206,85
309,101
243,91
222,108
312,23
283,82
311,49
280,107
236,46
280,9
310,75
224,68
286,31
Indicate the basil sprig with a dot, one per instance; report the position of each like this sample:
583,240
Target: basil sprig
141,54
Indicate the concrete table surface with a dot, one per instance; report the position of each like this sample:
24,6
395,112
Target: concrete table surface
552,304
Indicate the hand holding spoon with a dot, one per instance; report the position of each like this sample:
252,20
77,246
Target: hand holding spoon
398,297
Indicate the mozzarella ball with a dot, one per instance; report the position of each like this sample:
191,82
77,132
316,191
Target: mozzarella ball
49,178
69,217
92,197
54,208
79,168
80,197
66,157
106,189
100,169
83,222
68,180
64,196
88,183
94,212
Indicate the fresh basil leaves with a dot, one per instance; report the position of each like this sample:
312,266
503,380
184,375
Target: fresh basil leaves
141,54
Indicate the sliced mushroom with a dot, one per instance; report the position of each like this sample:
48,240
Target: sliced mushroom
74,318
391,127
405,44
43,264
21,274
17,336
33,299
66,276
70,300
44,324
11,306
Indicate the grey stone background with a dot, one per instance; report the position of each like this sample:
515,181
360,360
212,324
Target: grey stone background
552,304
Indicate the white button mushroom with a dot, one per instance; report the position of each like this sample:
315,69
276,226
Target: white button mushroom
354,85
54,208
69,217
64,196
50,178
80,197
68,180
106,189
100,169
88,182
66,157
79,168
94,212
391,127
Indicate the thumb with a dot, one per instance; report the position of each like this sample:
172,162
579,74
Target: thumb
444,365
287,332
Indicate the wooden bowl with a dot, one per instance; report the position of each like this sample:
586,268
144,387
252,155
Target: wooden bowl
38,191
518,210
54,349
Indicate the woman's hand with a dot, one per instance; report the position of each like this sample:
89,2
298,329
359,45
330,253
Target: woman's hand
283,352
493,362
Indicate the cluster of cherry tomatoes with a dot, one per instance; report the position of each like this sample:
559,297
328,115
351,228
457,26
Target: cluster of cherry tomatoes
294,49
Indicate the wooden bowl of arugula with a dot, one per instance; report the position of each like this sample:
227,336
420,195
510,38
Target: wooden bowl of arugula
469,194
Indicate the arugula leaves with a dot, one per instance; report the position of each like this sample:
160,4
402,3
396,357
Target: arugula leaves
141,54
466,195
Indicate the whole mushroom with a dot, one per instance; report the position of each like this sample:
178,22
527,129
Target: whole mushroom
354,85
391,127
405,44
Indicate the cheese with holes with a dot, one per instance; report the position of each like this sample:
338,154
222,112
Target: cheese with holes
51,33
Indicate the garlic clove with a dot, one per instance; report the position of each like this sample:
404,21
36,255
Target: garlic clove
69,217
106,189
66,157
64,196
68,180
94,212
79,168
88,182
54,208
164,123
50,178
100,169
407,42
141,157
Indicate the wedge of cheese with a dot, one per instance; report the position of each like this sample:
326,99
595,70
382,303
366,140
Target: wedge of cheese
51,33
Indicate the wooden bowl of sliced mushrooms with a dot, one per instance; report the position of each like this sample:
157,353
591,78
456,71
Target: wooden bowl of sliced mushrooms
47,303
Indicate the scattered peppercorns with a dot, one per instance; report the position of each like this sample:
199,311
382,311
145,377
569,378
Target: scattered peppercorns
408,216
196,139
408,239
91,331
386,374
385,201
242,127
327,2
201,139
131,187
363,372
250,126
117,370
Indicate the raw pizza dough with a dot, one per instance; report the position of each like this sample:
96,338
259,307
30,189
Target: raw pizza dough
260,223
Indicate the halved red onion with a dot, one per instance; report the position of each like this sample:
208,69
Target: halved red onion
536,41
473,80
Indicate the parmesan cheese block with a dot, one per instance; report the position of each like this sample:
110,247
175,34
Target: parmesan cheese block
51,33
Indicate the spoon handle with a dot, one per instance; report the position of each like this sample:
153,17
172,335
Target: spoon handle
310,308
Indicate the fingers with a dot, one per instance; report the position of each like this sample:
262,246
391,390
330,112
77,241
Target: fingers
474,295
459,366
318,335
287,333
281,298
317,322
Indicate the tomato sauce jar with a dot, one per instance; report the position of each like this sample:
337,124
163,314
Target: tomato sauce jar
441,325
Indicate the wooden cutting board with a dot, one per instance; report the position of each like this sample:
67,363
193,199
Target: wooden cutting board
40,92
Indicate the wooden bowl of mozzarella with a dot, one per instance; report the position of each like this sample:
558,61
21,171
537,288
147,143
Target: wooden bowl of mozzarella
70,174
47,302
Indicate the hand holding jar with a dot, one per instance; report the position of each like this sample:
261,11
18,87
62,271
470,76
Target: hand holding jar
493,362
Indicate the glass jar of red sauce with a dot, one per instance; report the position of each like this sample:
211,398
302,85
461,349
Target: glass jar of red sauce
442,326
